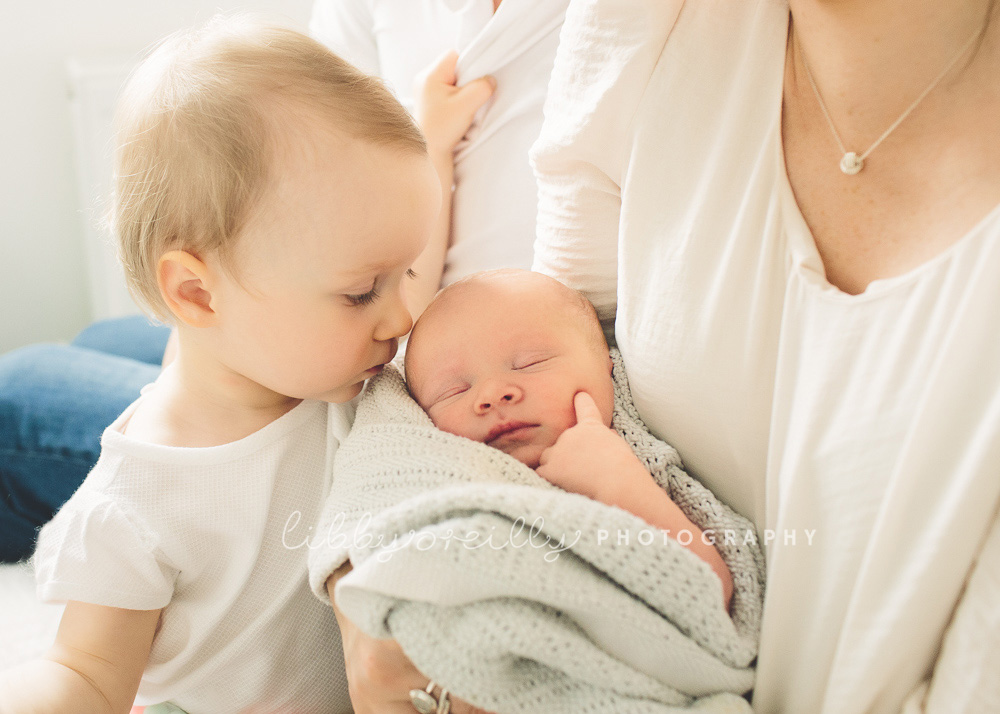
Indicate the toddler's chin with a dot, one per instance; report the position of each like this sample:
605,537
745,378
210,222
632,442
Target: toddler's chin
342,394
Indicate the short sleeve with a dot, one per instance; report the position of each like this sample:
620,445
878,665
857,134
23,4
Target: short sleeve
347,28
93,551
607,52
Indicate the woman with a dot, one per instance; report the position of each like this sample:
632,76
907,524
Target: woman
815,332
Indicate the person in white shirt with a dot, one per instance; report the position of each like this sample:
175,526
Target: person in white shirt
799,266
269,202
788,215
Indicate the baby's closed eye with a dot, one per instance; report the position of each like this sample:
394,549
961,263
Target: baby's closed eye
449,393
528,362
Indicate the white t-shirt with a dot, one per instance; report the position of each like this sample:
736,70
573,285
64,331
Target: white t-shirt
213,536
871,421
493,211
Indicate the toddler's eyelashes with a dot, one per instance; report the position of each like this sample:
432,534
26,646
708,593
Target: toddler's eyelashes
365,299
373,294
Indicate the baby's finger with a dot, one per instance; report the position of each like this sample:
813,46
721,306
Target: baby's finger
586,409
544,457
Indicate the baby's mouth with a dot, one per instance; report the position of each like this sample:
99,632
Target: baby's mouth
508,430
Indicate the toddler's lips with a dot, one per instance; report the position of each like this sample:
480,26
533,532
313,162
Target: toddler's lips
378,368
508,428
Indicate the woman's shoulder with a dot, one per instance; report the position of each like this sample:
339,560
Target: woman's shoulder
623,60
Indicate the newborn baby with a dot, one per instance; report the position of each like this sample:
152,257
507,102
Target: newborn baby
518,361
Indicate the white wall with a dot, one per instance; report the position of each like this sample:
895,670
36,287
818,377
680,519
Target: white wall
43,290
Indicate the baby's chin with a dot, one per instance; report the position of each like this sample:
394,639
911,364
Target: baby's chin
527,454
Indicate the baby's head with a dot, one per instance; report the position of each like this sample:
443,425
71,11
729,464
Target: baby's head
269,199
498,358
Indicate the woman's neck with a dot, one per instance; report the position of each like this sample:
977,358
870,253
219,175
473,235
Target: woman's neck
871,58
934,176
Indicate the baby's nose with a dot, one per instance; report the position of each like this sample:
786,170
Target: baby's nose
494,396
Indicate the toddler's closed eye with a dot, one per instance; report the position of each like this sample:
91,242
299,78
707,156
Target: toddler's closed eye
364,299
372,295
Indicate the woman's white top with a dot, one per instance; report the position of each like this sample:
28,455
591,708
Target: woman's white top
494,205
860,432
218,538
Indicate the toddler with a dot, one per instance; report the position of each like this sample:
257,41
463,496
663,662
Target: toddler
269,202
518,361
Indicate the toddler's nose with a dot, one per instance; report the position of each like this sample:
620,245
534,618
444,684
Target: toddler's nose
494,395
396,320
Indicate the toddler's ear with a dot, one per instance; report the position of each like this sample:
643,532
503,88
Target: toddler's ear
185,284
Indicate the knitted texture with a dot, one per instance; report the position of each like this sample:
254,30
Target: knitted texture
521,597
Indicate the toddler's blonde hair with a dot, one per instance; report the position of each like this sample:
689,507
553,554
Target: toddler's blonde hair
196,130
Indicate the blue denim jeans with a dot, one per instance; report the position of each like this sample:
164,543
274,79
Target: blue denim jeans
55,401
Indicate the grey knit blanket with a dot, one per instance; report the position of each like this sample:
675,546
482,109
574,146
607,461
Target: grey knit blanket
520,597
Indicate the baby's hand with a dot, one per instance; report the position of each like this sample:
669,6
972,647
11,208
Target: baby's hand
594,461
591,459
444,111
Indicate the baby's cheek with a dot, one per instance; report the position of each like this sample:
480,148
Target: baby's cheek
436,419
448,422
568,416
549,434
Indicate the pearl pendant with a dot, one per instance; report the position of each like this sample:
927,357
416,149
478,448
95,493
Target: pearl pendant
851,163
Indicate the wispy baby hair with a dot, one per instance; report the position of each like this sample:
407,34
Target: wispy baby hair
197,126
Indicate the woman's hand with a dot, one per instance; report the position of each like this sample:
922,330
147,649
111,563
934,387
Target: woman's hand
379,675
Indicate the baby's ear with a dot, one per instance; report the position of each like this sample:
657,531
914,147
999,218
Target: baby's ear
185,283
